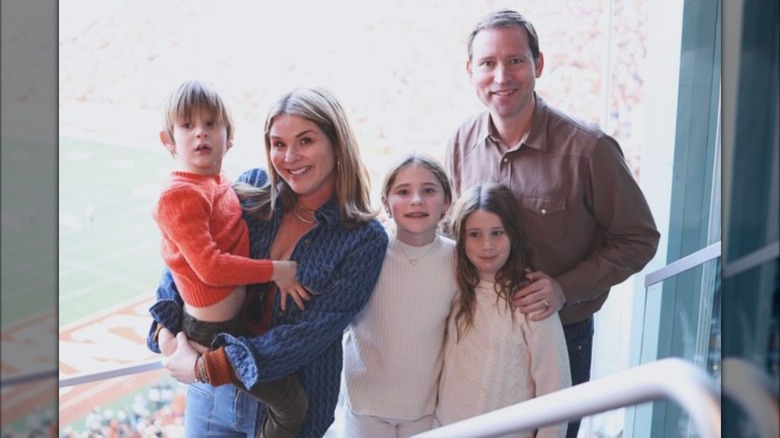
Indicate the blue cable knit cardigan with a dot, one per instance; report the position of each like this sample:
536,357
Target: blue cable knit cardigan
339,267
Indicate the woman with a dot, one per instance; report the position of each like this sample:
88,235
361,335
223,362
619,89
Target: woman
312,207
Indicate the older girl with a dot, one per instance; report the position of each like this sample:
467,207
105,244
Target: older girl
392,353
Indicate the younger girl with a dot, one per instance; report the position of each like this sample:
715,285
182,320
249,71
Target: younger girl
496,356
393,349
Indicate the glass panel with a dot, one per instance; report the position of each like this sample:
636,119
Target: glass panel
687,310
751,331
682,319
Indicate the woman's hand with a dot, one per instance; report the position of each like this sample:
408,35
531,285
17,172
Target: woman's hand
540,298
181,364
166,341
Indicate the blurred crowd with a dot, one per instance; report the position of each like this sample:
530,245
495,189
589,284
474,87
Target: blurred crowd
158,413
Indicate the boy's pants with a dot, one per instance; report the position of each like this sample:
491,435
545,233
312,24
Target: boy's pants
285,397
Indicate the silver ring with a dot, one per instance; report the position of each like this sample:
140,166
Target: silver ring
546,304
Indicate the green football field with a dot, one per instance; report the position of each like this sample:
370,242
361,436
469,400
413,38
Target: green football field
108,242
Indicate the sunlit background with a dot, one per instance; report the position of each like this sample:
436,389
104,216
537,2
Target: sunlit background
398,66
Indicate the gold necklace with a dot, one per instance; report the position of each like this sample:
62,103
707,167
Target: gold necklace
301,218
304,208
413,261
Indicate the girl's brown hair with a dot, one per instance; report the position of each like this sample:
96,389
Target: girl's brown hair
496,199
418,159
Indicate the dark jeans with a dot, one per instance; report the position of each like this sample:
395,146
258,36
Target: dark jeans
285,397
579,341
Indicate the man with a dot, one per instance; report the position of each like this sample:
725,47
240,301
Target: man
589,224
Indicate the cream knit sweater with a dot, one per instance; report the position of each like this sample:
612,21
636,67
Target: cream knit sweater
500,362
393,348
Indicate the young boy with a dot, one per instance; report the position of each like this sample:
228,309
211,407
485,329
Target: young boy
205,241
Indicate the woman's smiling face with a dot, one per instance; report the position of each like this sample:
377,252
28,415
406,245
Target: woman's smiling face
303,156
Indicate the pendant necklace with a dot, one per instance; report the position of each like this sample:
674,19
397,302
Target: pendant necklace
415,260
301,218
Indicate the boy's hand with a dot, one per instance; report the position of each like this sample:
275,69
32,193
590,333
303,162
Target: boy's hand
284,273
298,293
284,277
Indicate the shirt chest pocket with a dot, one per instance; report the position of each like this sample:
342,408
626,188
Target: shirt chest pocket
319,277
545,218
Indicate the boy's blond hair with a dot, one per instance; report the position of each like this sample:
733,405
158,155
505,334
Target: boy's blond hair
192,96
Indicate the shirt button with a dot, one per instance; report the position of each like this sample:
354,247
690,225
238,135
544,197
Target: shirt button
544,211
505,160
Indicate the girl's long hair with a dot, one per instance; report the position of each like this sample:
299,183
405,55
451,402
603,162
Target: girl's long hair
496,199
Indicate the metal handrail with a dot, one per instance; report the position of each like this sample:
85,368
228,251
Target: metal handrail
750,261
24,379
690,261
81,379
671,378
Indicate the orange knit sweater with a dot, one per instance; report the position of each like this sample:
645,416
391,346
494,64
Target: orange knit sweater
205,241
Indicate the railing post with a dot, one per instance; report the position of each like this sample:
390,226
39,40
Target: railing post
80,379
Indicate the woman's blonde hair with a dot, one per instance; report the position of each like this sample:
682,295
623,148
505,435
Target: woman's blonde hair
352,181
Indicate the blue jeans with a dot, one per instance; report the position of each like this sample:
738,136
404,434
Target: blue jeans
224,411
285,397
579,341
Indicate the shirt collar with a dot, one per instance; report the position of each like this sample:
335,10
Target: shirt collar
536,138
486,131
329,212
